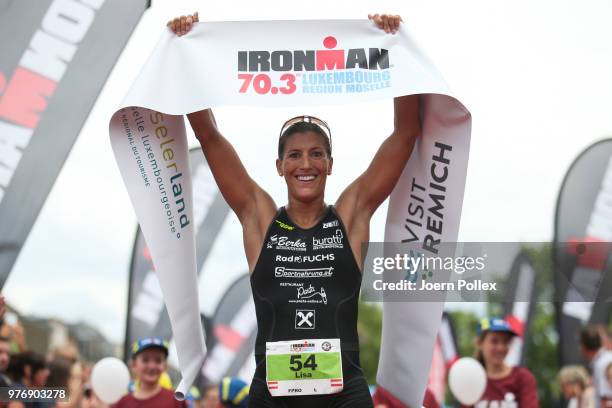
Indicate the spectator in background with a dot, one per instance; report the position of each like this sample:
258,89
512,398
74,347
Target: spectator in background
506,386
148,363
12,329
5,356
89,399
64,373
5,382
28,369
194,398
608,401
576,387
599,357
59,373
234,392
210,396
608,338
2,307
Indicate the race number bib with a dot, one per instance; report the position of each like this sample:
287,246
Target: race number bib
304,367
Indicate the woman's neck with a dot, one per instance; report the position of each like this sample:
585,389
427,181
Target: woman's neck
497,371
306,214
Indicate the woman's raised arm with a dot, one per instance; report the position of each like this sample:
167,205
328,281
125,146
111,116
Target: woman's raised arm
243,195
368,191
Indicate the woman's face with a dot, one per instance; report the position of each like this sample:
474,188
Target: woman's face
305,165
495,346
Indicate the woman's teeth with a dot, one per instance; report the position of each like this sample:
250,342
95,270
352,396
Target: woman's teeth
306,178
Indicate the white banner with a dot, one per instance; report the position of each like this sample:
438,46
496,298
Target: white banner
259,64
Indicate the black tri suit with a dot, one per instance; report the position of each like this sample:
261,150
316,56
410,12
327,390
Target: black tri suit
305,286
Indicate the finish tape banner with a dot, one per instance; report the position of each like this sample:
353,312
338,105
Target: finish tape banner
147,315
258,64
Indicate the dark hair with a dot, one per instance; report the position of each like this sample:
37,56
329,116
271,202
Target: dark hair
59,372
18,363
302,127
590,338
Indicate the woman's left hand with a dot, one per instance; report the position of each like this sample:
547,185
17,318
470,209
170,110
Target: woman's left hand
388,22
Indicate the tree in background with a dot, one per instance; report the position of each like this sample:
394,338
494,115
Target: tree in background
542,355
369,328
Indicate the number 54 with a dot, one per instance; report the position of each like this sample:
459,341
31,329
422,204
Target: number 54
296,362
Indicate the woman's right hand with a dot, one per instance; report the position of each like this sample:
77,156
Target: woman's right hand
181,25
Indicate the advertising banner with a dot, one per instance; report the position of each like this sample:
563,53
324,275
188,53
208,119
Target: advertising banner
48,85
583,220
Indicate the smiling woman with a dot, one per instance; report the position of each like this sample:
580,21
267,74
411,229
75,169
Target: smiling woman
306,354
304,157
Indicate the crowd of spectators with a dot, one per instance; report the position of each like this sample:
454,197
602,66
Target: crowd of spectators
62,368
582,386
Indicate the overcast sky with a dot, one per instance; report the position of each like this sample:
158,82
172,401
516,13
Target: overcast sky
535,75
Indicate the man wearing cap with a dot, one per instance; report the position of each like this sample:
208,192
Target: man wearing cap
506,386
148,363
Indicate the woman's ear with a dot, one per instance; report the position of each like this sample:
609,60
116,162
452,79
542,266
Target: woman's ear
331,164
279,168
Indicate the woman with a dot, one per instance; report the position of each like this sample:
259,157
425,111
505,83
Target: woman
505,384
576,387
305,258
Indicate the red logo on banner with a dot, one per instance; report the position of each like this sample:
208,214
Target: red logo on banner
229,337
25,97
591,252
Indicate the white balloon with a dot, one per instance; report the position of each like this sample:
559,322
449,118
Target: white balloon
467,380
110,379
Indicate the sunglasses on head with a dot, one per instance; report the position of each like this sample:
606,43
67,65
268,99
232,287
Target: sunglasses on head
308,119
